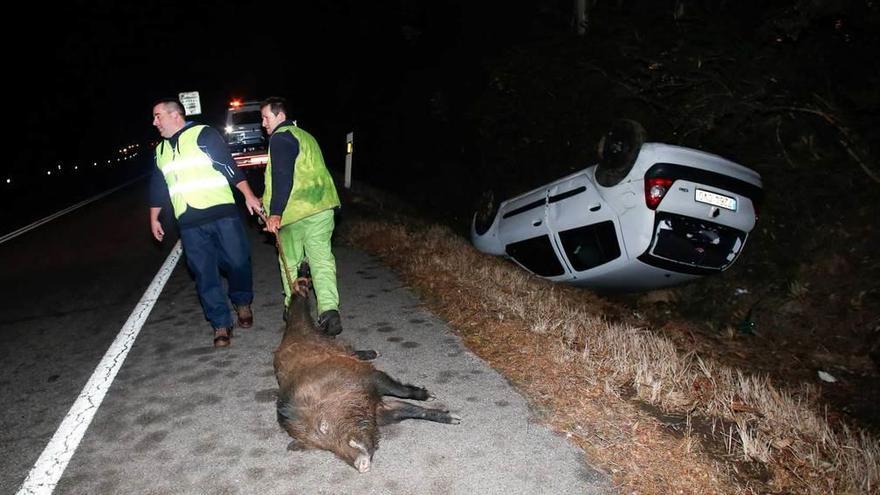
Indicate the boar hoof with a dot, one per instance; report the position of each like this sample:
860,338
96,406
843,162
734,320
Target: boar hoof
365,355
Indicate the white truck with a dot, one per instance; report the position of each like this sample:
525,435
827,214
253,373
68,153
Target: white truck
244,133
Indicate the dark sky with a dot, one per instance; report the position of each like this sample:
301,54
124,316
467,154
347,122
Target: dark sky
105,64
88,71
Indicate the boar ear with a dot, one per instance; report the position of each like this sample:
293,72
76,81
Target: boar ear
295,445
324,427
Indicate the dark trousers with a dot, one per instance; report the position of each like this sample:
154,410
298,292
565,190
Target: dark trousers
215,248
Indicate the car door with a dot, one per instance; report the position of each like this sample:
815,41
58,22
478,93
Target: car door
523,231
585,227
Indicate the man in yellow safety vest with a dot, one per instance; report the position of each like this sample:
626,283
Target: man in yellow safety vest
195,169
300,198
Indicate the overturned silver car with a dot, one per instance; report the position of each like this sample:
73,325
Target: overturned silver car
648,215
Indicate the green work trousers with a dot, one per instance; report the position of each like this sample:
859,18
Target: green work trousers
310,238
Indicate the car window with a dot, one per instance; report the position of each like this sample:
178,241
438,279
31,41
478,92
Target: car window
590,246
537,255
242,118
696,243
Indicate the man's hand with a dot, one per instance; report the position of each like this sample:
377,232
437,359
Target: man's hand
254,205
273,223
155,225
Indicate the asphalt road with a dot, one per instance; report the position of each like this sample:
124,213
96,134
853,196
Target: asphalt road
183,417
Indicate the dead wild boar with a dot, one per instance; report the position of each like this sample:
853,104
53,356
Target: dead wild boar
329,398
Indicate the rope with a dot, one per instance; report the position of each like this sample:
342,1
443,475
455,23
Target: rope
290,283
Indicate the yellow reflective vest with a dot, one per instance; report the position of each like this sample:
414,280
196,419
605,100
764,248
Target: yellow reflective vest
313,189
190,174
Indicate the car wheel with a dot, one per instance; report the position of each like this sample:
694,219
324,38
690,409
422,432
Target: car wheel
618,150
487,208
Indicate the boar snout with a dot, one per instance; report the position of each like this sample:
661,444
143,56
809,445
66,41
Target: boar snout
362,461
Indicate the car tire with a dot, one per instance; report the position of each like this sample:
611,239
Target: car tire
484,216
618,150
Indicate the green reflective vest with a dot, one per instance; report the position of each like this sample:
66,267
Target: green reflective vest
189,172
313,190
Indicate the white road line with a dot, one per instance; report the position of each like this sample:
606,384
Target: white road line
27,228
45,474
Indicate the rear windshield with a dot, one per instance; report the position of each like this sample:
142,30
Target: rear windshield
250,117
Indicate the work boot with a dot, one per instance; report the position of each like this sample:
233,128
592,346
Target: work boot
222,337
329,323
245,315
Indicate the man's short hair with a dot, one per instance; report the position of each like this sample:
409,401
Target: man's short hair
276,105
171,105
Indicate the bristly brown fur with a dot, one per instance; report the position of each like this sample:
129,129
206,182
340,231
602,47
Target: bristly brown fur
329,399
325,397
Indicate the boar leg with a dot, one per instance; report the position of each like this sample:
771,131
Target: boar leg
394,411
295,445
365,355
385,385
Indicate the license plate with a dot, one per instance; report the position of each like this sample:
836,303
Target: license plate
714,199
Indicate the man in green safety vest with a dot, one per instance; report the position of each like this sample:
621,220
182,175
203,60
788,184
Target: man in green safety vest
300,198
195,170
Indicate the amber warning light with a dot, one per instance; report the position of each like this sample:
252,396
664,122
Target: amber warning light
234,103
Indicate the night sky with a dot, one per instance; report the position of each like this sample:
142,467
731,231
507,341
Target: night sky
87,72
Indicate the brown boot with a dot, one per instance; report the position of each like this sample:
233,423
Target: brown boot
222,337
245,315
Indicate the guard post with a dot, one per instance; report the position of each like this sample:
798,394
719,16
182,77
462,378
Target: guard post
349,148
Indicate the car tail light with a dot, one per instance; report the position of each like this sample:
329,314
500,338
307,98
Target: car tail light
655,189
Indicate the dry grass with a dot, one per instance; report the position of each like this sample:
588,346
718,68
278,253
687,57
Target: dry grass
598,380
